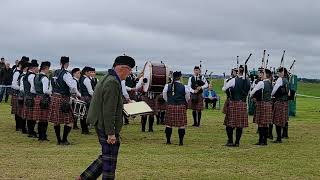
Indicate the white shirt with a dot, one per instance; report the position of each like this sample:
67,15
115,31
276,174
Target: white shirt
14,84
278,84
165,90
257,87
31,81
139,84
67,77
197,77
21,88
46,85
87,83
230,84
124,90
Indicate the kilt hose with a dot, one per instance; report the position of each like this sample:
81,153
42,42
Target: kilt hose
14,103
56,116
198,105
263,113
237,115
40,115
151,103
176,115
280,113
105,163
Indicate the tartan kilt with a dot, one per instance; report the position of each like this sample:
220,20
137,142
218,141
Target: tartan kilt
236,115
263,113
39,114
86,99
151,103
161,106
14,104
20,110
198,106
56,116
27,111
280,113
176,115
225,106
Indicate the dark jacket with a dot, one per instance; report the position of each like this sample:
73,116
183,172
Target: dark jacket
106,106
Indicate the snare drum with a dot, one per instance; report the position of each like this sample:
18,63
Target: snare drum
79,108
157,76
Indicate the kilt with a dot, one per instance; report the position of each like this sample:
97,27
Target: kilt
40,115
14,104
263,113
176,115
56,116
198,106
225,106
161,106
280,113
86,99
20,110
27,111
236,115
151,103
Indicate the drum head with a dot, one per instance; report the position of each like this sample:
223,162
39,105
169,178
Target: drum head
147,73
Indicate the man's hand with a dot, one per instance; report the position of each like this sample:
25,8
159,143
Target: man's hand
199,88
111,139
196,91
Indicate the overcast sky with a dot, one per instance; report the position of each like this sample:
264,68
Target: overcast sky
179,32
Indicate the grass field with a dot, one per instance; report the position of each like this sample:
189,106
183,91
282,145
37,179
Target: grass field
145,155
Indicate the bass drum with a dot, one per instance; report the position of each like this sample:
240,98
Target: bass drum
157,76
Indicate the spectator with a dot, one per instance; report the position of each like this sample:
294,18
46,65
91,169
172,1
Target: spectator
210,96
14,67
6,82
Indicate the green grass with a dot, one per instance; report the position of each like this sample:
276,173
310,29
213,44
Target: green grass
145,156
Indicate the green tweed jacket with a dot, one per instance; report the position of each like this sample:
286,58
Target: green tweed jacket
106,106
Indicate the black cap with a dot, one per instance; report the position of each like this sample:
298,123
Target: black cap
235,69
74,70
45,64
34,63
268,72
261,69
64,60
177,74
85,69
196,67
124,60
25,59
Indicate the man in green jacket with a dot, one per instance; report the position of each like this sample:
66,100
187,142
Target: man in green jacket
105,113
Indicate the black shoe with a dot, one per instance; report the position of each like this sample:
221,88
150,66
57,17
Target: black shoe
236,145
270,137
24,131
194,125
285,137
65,143
229,144
168,143
258,144
85,132
150,130
181,144
277,141
264,144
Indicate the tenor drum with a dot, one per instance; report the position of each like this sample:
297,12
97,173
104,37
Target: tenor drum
157,76
79,107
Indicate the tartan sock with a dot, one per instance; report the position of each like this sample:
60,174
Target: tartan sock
278,129
199,118
181,133
260,134
143,123
229,131
75,122
84,126
57,131
168,132
151,120
194,114
66,131
238,135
